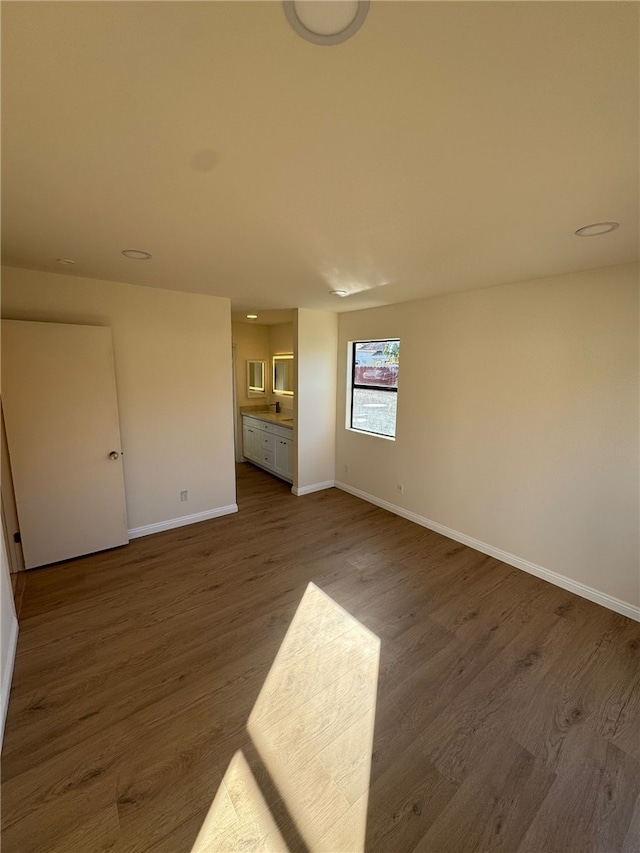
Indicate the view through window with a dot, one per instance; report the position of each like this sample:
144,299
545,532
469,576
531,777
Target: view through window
374,386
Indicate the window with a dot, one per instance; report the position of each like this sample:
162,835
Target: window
374,386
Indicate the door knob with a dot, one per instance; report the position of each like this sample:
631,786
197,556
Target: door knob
114,455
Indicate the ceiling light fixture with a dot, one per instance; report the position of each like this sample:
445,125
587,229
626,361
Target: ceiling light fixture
136,254
252,316
326,22
65,261
596,229
338,292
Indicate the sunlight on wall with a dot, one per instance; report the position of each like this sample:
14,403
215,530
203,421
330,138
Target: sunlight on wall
304,782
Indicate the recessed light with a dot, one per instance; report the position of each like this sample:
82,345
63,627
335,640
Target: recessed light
326,21
65,261
338,292
252,316
136,254
596,229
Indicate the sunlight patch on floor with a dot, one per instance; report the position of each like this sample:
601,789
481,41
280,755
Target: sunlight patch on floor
304,782
239,817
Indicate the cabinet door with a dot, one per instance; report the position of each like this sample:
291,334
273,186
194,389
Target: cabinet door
283,457
250,442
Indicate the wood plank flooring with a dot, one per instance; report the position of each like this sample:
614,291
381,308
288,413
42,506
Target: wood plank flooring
507,715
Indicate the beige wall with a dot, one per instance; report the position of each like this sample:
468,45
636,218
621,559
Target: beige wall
260,343
316,335
252,344
173,372
281,341
517,421
281,338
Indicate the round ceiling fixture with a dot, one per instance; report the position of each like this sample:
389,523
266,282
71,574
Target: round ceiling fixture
252,316
65,261
136,254
326,22
338,292
596,229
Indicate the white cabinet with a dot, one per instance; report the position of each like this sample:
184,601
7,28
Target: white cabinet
283,458
268,445
250,438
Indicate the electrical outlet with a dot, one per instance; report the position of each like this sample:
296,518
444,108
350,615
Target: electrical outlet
346,468
184,495
400,488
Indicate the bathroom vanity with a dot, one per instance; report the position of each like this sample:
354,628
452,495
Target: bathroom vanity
267,440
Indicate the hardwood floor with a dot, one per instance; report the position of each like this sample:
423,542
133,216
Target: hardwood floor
507,714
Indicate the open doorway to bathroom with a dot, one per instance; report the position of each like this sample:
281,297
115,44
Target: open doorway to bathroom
263,392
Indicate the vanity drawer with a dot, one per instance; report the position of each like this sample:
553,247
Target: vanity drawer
266,457
267,441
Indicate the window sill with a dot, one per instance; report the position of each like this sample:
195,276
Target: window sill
371,434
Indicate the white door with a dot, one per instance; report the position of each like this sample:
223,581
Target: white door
61,419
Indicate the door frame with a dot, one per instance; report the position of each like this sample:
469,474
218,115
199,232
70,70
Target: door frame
237,444
8,508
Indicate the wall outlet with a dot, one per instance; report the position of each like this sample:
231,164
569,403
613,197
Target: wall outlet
346,468
400,488
184,495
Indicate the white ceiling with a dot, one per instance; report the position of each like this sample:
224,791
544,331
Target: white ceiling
447,146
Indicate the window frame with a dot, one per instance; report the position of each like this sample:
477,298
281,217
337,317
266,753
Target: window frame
352,385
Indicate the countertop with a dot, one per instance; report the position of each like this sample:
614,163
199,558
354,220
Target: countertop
282,419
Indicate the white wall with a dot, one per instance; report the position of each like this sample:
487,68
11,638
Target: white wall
517,421
172,355
315,334
8,633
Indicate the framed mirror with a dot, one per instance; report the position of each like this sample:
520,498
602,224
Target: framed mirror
283,374
256,378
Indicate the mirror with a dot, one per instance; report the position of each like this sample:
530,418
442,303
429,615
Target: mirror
283,374
256,378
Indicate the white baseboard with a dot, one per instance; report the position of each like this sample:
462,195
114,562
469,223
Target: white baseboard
6,686
314,487
148,529
616,604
